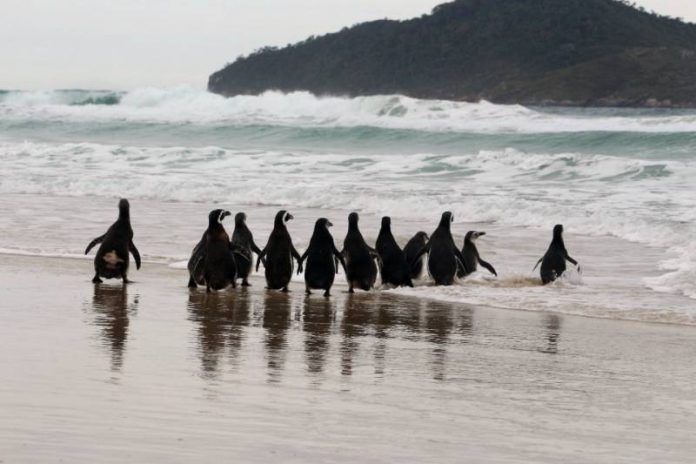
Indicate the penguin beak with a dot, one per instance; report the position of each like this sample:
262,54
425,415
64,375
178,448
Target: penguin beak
225,214
481,234
329,224
289,216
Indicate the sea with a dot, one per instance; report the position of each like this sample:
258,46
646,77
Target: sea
621,181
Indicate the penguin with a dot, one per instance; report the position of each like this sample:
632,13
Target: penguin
471,255
112,259
243,246
279,253
321,256
444,258
212,262
411,249
361,269
394,268
553,262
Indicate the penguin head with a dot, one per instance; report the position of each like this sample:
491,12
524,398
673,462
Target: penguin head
322,224
123,208
558,231
422,236
447,219
216,216
282,218
353,220
386,223
240,219
473,235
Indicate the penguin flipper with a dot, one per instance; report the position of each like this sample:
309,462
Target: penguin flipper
300,259
422,251
136,254
94,242
254,248
261,259
538,263
375,255
339,257
460,258
571,260
240,251
461,266
488,266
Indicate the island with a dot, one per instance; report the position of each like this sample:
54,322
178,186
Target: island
601,53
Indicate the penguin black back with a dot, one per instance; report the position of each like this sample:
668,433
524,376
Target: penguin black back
320,270
395,269
411,249
471,255
243,246
279,254
219,270
112,258
444,258
553,263
361,270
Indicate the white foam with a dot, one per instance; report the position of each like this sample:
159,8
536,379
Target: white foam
186,104
596,195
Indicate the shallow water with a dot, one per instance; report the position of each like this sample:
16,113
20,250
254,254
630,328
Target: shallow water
621,181
153,373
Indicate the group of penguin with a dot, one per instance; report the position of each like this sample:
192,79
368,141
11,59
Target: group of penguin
217,261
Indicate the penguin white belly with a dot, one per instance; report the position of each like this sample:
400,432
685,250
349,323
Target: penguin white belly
112,260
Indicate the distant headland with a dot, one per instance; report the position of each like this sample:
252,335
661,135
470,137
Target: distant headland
530,52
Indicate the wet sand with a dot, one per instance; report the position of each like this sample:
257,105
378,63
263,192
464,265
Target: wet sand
154,373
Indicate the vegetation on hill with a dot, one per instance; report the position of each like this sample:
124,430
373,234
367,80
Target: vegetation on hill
565,52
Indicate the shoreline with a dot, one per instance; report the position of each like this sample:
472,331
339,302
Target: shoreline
296,286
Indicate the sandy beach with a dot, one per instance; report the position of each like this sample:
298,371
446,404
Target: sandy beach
154,373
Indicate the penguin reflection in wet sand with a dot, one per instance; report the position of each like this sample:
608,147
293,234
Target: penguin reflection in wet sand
411,249
553,263
112,259
361,269
394,268
243,246
321,255
279,253
444,258
471,255
212,262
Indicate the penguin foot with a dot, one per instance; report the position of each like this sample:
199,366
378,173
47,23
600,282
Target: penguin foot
97,280
350,290
245,283
285,290
327,294
192,283
307,291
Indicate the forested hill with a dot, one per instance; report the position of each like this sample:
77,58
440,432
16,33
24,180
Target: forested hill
535,52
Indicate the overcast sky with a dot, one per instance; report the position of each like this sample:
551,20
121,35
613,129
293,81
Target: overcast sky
122,44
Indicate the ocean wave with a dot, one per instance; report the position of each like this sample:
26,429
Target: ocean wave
187,105
644,201
58,98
